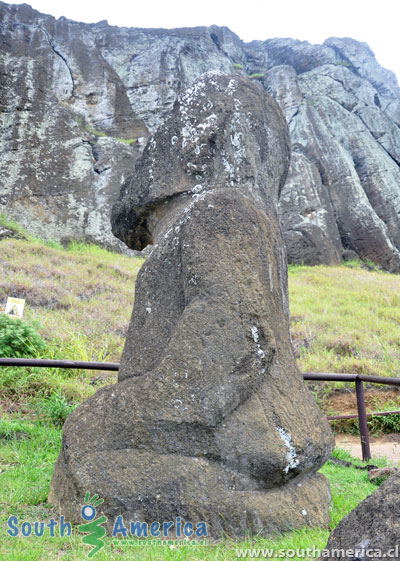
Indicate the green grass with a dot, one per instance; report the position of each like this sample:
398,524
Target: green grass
256,75
28,450
127,140
238,65
343,319
82,297
80,300
90,129
11,225
95,132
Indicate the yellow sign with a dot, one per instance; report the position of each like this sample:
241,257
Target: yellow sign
15,307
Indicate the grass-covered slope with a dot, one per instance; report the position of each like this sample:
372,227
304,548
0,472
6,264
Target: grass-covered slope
79,300
346,319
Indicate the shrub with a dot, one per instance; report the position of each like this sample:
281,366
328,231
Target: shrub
384,423
19,339
56,408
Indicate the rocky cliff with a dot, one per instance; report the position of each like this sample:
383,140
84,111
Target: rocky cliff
78,102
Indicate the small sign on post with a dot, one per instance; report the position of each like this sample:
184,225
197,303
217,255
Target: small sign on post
15,307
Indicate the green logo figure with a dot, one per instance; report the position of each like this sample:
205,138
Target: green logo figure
88,512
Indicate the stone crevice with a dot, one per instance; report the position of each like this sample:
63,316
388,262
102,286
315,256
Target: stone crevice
125,82
57,52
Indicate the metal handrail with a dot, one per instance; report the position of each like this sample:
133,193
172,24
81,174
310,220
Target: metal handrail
351,378
47,363
358,379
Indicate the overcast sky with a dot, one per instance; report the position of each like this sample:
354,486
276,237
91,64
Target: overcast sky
375,22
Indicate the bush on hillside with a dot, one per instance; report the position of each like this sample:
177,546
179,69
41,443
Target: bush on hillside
18,338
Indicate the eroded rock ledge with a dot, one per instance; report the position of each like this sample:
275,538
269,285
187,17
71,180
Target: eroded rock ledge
78,102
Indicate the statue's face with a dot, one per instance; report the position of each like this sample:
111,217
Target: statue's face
224,132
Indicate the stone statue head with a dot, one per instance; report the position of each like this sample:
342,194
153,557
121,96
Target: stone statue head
223,132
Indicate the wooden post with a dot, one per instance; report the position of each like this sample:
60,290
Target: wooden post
362,419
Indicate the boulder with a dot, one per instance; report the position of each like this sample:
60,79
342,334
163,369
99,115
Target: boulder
380,474
372,529
210,419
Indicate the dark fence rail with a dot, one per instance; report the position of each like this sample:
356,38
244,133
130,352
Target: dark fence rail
357,379
355,416
351,378
45,363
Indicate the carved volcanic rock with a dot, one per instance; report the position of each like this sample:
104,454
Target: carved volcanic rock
343,189
372,528
64,113
210,419
65,84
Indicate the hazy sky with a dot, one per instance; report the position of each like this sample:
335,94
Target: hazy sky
375,22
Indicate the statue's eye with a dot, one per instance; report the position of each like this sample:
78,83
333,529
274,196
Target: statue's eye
88,512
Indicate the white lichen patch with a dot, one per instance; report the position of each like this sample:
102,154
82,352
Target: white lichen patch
81,163
271,279
254,332
291,454
191,134
239,150
256,337
230,170
232,87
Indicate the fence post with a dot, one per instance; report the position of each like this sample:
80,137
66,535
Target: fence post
362,419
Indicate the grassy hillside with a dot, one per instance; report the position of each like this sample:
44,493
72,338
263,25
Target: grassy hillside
79,300
346,319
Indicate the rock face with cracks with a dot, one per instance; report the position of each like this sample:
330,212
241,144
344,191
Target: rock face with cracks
210,419
74,97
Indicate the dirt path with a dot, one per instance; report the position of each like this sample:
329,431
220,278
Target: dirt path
387,445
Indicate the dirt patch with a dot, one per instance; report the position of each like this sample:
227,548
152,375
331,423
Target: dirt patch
8,406
345,403
387,446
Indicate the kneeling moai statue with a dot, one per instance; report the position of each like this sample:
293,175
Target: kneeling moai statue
210,419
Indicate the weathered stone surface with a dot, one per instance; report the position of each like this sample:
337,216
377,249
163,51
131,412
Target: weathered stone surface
372,528
342,190
380,474
64,82
8,233
63,114
210,419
